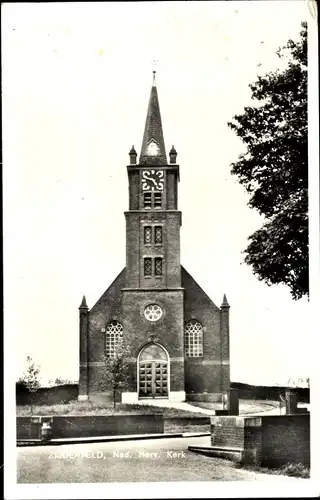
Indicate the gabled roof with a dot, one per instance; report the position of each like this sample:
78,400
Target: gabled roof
153,149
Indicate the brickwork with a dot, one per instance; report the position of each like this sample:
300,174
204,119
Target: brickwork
71,426
171,287
269,441
167,330
107,308
227,431
172,201
285,439
205,375
211,373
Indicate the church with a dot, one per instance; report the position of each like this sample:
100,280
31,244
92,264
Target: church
177,337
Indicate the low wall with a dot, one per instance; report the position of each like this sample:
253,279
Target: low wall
73,426
285,439
269,441
28,427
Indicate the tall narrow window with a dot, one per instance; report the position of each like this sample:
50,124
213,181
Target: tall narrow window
147,200
158,235
147,266
193,339
157,200
147,235
158,266
114,332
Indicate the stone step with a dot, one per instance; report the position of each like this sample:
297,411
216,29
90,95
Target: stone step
229,453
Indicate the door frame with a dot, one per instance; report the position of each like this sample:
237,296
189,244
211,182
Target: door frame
160,360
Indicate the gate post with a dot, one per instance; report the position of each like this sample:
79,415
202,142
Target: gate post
291,402
233,402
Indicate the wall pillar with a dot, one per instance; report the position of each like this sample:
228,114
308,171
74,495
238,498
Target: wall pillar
224,347
291,402
83,350
233,402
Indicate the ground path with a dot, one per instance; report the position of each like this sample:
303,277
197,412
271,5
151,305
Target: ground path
151,460
262,407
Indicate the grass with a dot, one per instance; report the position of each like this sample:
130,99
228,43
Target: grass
90,409
106,408
290,469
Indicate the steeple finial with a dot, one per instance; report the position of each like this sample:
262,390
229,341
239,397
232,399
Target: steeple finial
225,303
153,150
83,304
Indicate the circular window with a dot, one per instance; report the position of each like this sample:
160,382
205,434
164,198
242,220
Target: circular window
153,312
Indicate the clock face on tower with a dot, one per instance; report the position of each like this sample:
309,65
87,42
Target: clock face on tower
152,180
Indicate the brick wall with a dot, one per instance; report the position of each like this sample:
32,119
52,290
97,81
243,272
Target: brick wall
227,431
136,250
88,426
211,373
270,441
285,439
107,308
28,427
168,329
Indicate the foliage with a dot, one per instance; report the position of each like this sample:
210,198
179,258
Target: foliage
274,170
30,379
62,381
295,470
300,382
289,469
117,371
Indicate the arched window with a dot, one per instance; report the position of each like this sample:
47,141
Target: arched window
113,337
193,339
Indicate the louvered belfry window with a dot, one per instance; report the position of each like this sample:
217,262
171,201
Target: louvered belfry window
157,200
147,200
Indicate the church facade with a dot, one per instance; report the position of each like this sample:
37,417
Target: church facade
177,337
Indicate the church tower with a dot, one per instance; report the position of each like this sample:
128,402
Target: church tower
177,337
152,300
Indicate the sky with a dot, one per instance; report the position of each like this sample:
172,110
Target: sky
76,85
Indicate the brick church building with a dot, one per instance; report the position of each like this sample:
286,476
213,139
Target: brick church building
178,338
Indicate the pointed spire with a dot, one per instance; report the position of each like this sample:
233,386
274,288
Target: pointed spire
225,303
83,304
153,149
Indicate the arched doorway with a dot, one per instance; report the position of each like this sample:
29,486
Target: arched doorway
153,372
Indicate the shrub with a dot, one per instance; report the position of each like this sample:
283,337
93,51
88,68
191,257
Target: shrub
295,470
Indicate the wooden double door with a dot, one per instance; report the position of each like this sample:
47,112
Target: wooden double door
153,368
